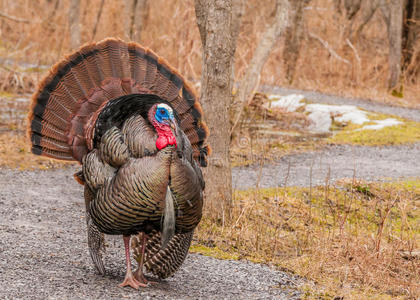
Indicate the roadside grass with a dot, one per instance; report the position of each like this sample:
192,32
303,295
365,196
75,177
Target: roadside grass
356,240
15,153
15,149
405,133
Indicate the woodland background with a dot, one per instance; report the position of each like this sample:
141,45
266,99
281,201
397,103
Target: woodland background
343,49
356,240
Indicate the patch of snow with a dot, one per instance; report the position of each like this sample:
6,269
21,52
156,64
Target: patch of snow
341,113
356,117
321,115
320,122
290,102
381,124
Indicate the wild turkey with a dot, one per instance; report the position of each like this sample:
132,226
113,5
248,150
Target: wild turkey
136,127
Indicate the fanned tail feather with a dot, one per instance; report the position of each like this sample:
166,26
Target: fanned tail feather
69,99
163,262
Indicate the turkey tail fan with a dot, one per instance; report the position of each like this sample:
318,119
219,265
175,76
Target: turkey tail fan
163,261
69,99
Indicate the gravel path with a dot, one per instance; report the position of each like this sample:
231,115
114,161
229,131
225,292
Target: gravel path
334,162
43,252
316,97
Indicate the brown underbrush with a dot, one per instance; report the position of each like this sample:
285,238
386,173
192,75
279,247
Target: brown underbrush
356,240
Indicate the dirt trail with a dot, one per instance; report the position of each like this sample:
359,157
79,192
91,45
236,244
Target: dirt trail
43,252
334,162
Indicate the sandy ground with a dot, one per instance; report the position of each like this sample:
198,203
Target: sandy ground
43,252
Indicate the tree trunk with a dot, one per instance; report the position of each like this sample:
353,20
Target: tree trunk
250,81
136,12
411,36
352,7
293,38
238,9
214,20
367,13
74,23
395,41
98,18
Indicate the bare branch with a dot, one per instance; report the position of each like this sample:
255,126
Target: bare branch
250,81
328,47
359,61
367,14
12,18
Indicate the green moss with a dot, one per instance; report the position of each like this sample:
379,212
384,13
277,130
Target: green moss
399,93
408,132
213,252
6,95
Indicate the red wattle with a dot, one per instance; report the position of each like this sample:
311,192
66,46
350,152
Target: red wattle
165,140
161,142
165,136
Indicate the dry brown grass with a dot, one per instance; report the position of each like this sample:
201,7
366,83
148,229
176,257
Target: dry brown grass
171,31
355,240
14,147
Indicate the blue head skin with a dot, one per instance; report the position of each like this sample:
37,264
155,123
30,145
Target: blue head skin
164,114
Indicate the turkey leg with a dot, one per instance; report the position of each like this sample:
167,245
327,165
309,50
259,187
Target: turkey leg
129,278
139,272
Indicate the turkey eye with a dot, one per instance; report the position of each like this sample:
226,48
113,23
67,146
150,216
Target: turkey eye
162,111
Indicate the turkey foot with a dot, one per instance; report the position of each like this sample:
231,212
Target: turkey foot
138,275
129,279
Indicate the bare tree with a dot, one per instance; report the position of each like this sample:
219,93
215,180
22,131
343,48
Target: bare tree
74,23
411,37
268,40
293,38
215,20
349,7
98,18
393,15
12,18
353,8
136,13
367,12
